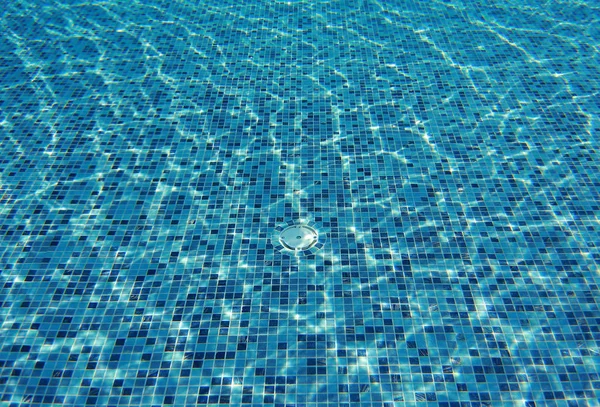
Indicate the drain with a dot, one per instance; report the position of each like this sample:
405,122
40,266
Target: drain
298,238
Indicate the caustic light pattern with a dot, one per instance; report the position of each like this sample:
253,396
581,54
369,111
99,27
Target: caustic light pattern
299,203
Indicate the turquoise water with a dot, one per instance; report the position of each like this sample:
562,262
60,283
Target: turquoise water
155,153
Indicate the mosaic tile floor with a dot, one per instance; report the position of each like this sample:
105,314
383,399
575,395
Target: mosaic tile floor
445,152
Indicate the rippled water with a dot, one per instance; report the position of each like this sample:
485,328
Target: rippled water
445,152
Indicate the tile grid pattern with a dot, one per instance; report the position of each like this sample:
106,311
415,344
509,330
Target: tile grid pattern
150,150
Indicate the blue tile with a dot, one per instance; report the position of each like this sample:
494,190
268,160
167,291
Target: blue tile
444,153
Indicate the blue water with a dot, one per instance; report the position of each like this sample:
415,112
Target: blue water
445,152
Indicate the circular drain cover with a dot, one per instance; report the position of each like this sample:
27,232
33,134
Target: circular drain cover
298,237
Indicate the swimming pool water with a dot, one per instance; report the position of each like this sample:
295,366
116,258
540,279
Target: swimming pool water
445,152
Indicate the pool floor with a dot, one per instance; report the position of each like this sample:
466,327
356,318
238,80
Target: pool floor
300,203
